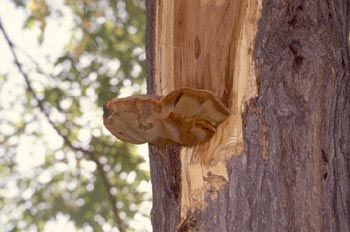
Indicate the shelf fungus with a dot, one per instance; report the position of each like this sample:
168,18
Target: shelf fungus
185,116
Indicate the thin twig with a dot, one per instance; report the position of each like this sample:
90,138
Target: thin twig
113,201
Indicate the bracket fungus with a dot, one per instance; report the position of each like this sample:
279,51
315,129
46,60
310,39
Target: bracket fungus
185,116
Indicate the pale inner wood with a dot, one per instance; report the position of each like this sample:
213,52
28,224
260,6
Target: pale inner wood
208,44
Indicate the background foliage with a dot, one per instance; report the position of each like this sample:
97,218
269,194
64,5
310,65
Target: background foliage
86,175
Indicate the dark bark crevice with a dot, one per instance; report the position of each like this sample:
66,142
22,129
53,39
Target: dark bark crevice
150,46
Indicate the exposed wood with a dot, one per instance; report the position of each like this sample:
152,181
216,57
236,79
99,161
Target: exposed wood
207,45
286,146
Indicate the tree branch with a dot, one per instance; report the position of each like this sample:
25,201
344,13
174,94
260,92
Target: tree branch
113,201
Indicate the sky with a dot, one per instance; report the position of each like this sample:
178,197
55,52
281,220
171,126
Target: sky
56,37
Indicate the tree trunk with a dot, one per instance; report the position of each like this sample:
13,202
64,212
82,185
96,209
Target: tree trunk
281,161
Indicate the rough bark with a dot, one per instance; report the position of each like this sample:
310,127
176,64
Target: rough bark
294,171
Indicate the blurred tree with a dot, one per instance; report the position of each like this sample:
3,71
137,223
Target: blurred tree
86,174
